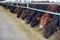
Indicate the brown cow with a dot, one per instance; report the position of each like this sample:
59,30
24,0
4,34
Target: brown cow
32,5
22,4
26,11
17,9
45,18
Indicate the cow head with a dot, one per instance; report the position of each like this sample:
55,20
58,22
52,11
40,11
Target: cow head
43,20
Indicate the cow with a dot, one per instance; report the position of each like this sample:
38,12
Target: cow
19,11
59,23
34,21
12,9
16,9
26,12
22,4
51,27
30,16
45,18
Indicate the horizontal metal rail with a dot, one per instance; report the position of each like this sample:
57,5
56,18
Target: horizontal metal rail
55,13
58,3
41,3
46,3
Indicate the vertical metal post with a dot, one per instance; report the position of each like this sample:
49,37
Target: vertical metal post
20,1
32,1
11,3
27,3
57,0
16,1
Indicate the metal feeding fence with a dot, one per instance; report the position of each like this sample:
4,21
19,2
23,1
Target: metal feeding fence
56,13
34,2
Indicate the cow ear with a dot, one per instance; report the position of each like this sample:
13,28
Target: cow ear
38,18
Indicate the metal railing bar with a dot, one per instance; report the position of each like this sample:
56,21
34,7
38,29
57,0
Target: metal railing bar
40,10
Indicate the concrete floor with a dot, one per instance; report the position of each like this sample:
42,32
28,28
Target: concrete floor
9,31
